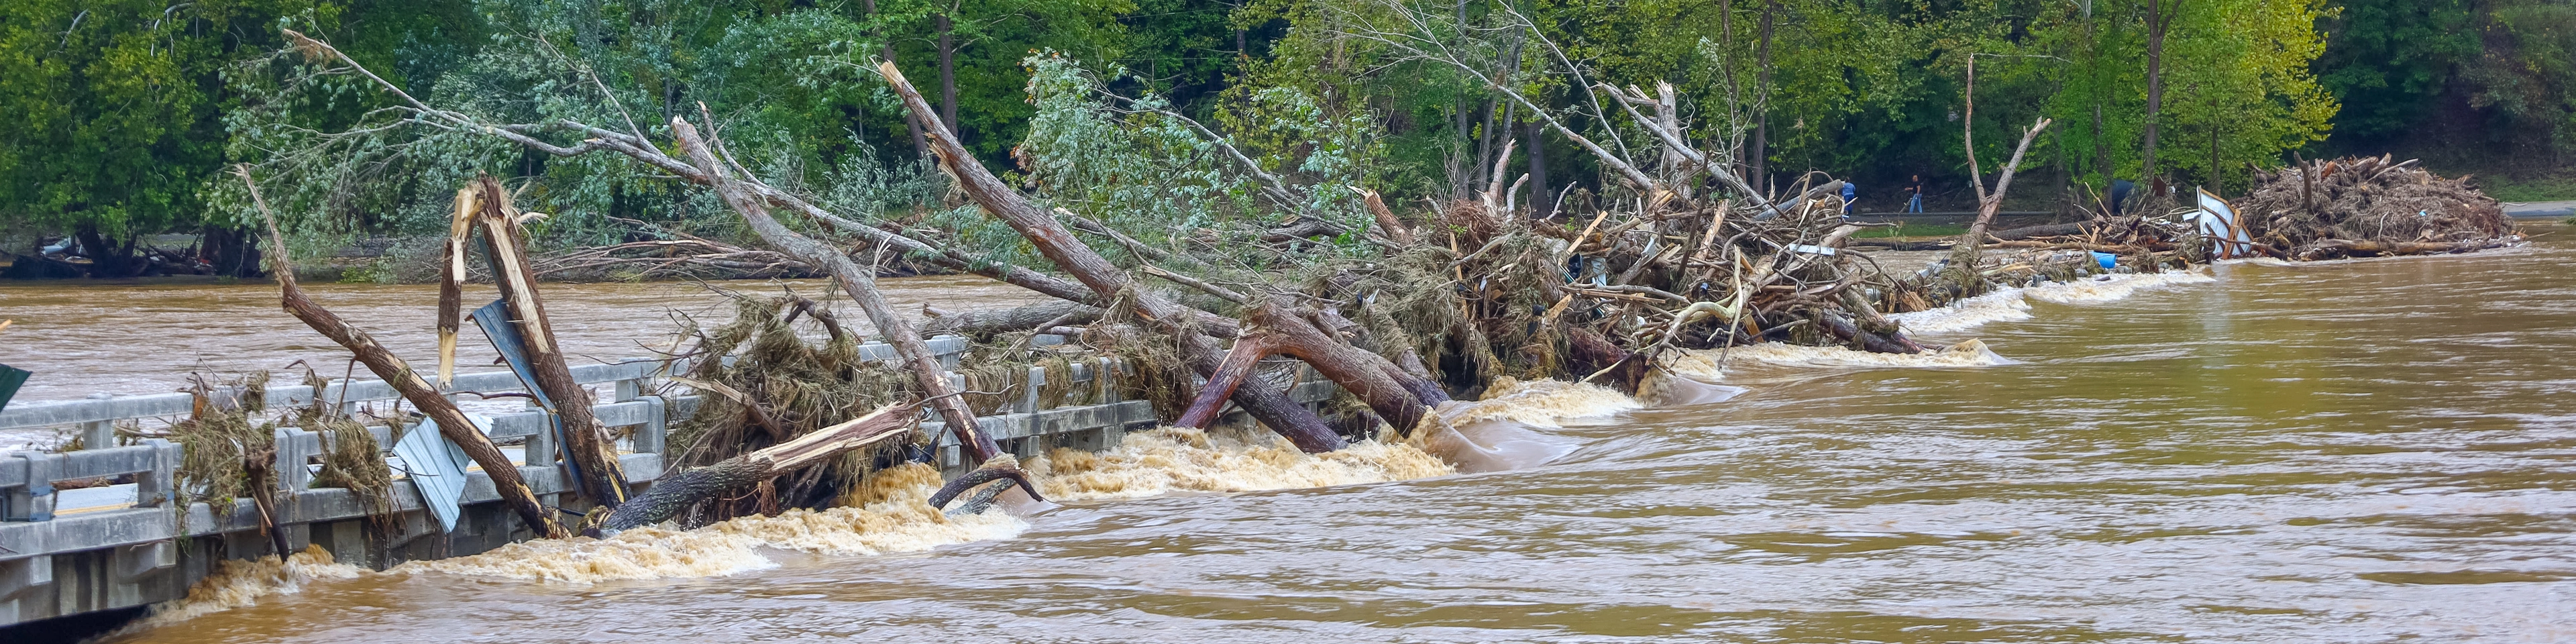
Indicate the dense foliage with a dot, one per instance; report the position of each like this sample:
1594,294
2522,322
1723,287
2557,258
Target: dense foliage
125,114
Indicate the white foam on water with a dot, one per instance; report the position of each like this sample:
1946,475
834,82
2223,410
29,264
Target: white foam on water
241,582
2010,304
2000,306
2118,287
1540,403
890,512
1970,353
1175,459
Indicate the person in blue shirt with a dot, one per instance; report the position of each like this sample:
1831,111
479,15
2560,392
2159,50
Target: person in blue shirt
1848,198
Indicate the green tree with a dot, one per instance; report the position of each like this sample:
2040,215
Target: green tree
116,112
2526,79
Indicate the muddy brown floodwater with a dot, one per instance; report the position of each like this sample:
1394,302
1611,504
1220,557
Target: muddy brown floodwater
2343,452
83,338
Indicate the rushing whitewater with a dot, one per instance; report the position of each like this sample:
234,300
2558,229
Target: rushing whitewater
2012,304
1172,459
889,512
235,583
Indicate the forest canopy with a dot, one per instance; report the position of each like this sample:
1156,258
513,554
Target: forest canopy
128,113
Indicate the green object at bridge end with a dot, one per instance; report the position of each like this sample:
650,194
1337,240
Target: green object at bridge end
10,379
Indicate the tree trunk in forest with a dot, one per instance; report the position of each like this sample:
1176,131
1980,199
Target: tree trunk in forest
911,128
1542,205
107,259
676,492
1760,151
859,283
399,375
1726,65
2216,180
2102,155
1484,141
947,75
2101,134
1267,404
2065,179
586,441
232,252
2159,16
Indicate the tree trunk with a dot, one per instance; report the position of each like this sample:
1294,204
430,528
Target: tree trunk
586,441
1230,375
399,375
947,75
2216,180
1542,205
1057,243
1967,250
860,284
1726,44
678,491
1370,377
1760,151
2101,134
106,260
2102,154
232,252
911,128
2158,17
1484,139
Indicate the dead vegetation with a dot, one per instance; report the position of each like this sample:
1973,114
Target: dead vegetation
2368,206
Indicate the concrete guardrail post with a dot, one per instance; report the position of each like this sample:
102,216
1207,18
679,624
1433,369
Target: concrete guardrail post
35,500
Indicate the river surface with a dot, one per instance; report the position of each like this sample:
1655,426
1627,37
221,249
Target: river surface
2356,451
147,337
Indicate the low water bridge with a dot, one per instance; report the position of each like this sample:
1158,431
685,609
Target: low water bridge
72,543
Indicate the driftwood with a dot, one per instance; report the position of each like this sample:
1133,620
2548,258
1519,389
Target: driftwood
2042,230
2338,248
688,256
1004,468
399,374
984,323
676,492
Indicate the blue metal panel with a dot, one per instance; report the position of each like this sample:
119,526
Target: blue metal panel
437,469
494,319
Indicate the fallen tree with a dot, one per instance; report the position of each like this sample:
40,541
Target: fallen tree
398,374
678,491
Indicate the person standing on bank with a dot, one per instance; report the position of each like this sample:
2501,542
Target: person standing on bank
1915,203
1850,197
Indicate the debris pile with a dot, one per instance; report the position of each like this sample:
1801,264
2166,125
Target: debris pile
2368,206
